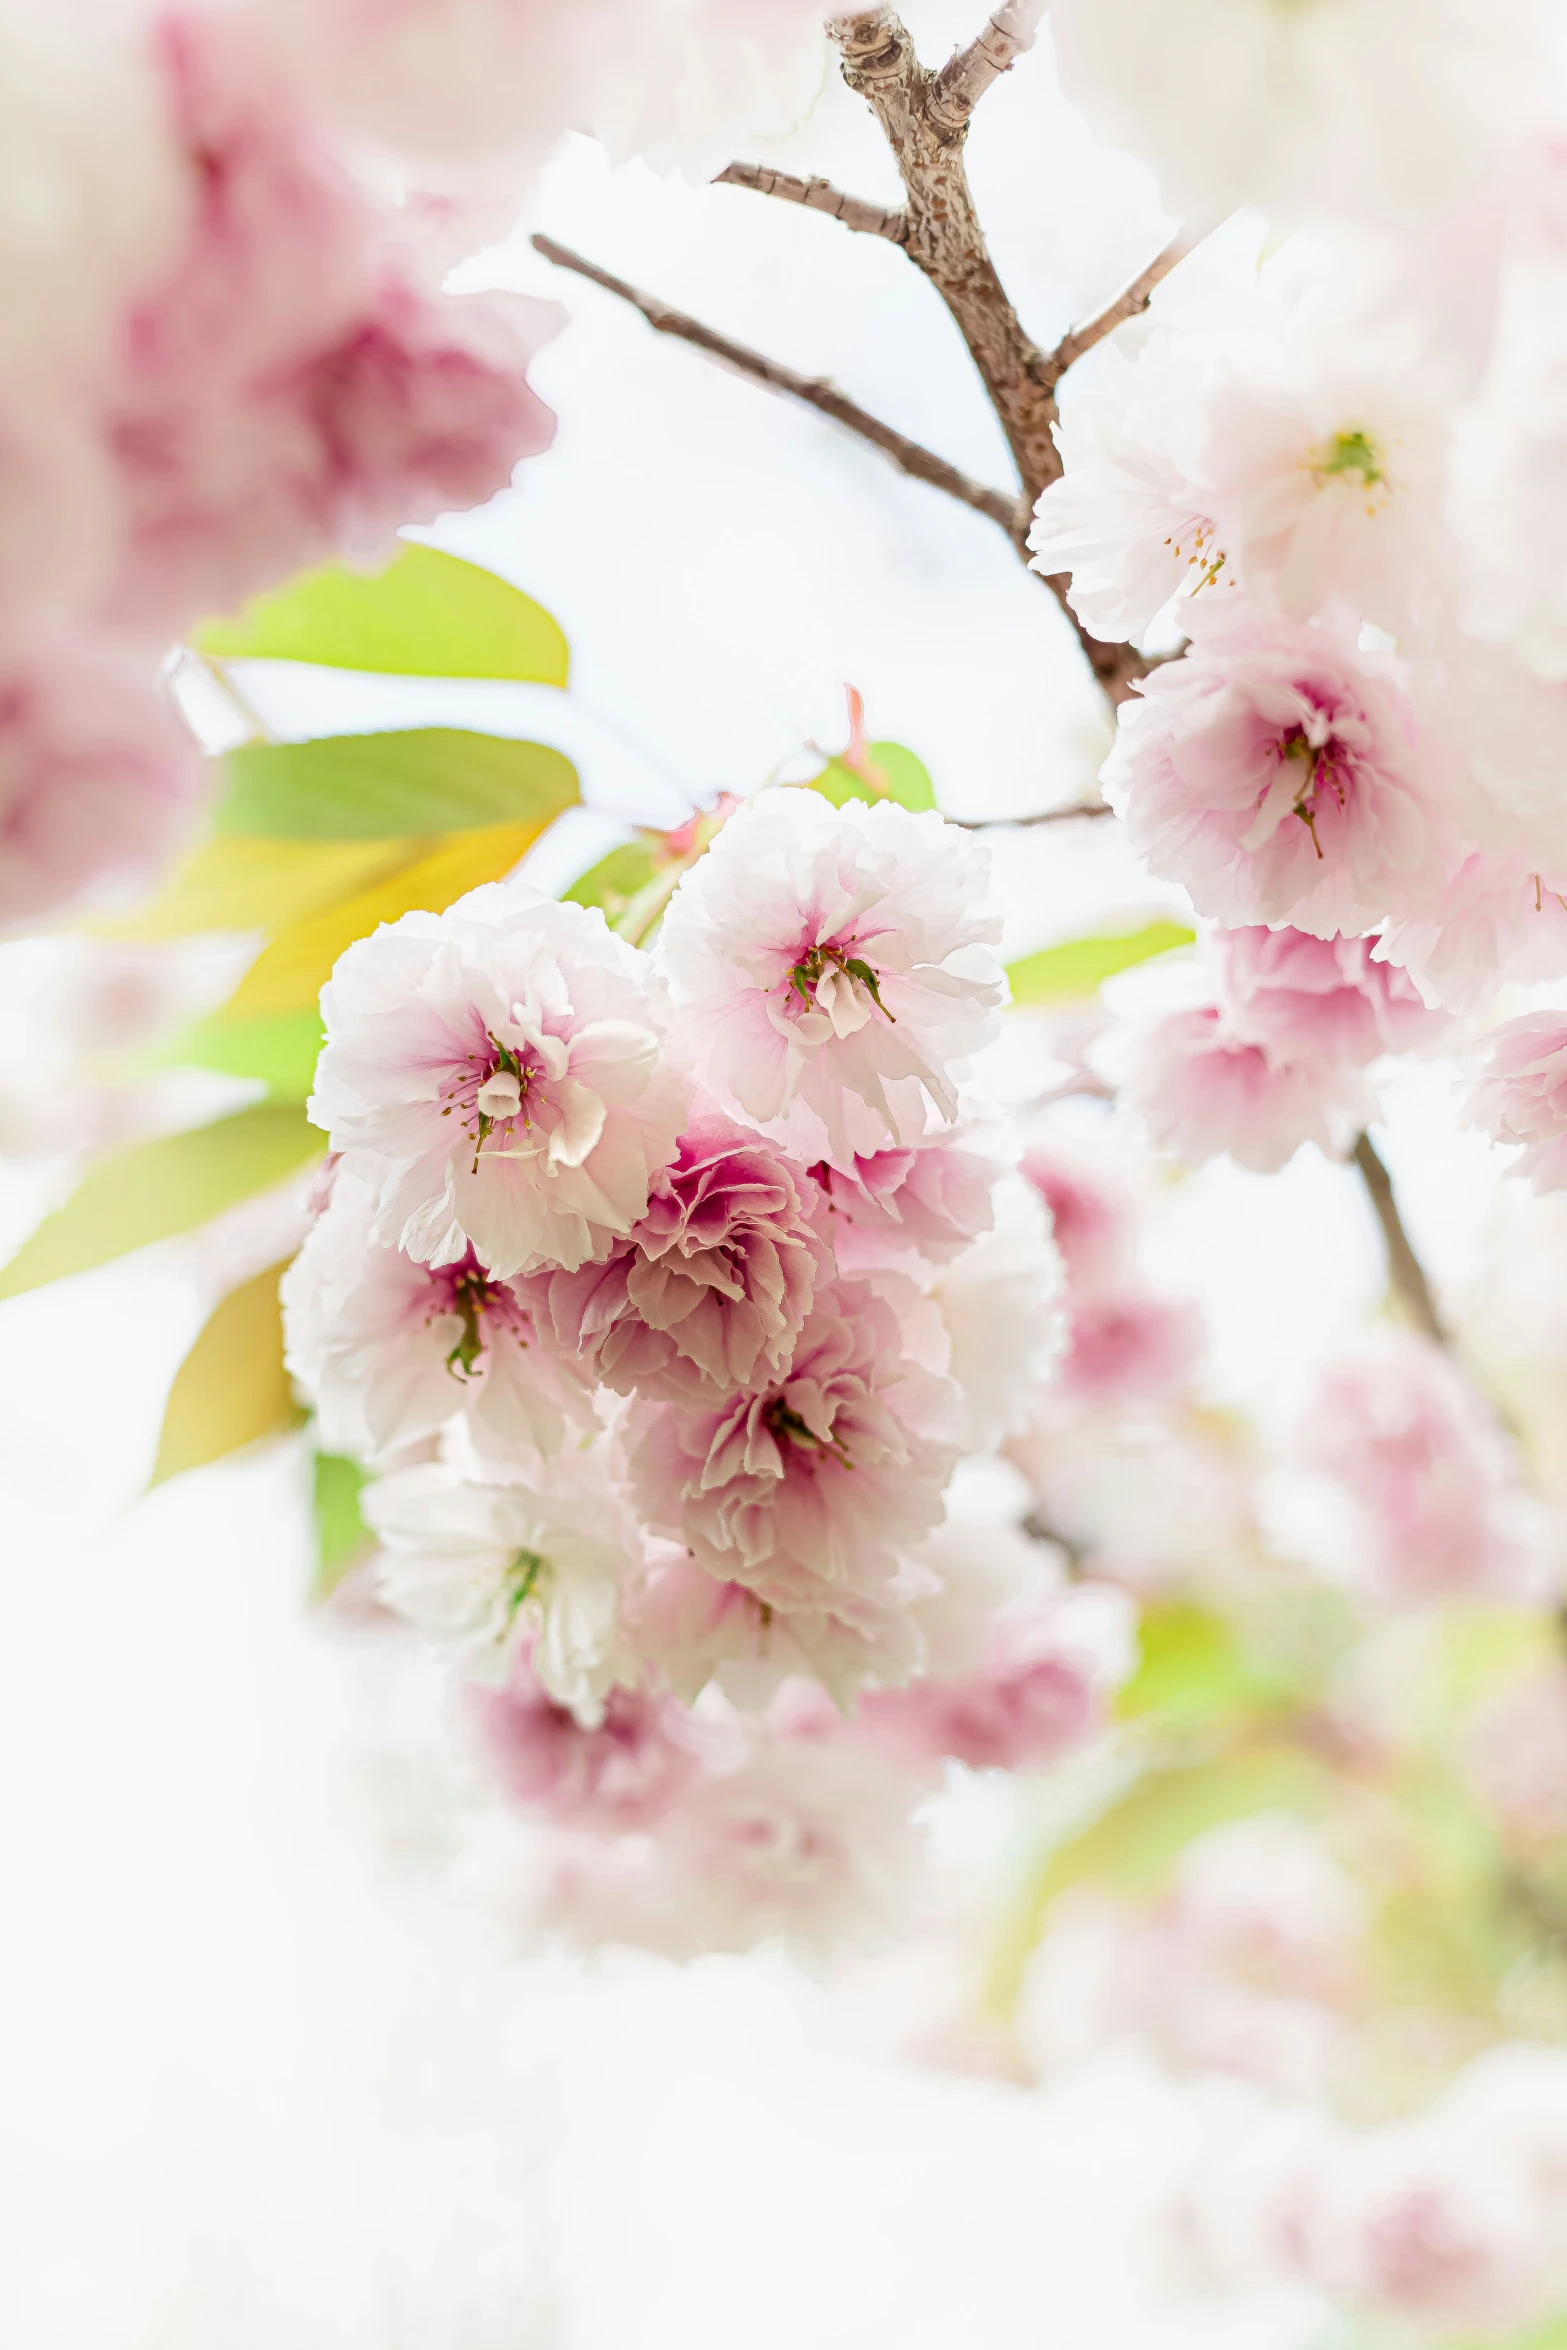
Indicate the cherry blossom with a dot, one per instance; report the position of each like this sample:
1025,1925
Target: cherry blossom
1201,1090
482,1569
621,1773
497,1073
711,1289
390,1351
810,1491
98,778
1275,773
833,970
1521,1096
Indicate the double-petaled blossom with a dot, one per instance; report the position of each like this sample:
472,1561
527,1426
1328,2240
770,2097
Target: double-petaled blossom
711,1289
390,1351
1498,917
1019,1665
1427,1491
1201,1090
834,970
689,1629
98,778
1275,773
1242,101
617,1775
500,1075
928,1201
1001,1311
290,388
810,1491
485,1569
1521,1095
1305,998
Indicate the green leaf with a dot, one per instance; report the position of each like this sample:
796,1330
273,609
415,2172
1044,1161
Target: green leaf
288,975
427,614
342,1537
1079,966
231,1389
613,882
280,1051
385,786
905,778
154,1190
1192,1667
246,884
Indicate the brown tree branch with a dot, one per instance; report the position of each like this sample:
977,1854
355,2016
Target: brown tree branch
911,457
1040,816
1128,305
1405,1271
817,195
968,73
944,237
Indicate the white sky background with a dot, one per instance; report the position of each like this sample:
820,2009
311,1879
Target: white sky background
270,2085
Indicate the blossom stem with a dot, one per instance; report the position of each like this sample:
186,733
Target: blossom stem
1405,1271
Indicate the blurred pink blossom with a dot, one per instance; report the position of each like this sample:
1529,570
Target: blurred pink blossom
1201,1090
1521,1096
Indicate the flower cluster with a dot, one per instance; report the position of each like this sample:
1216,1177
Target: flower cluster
665,1293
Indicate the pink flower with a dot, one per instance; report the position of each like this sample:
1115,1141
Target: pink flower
690,1629
1435,1506
498,1073
1273,773
1305,998
1091,1213
1517,1755
622,1774
1500,917
1201,1091
1031,1701
809,1491
288,390
712,1288
1522,1095
833,970
928,1201
1131,1342
390,1351
98,778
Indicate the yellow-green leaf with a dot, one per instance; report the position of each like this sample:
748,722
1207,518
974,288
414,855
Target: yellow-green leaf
614,881
434,779
1080,965
427,614
289,974
280,1050
231,1389
260,884
342,1537
895,774
1192,1666
154,1190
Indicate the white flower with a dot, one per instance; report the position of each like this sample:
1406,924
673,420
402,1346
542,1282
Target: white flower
389,1351
478,1568
1386,108
499,1074
833,970
1001,1303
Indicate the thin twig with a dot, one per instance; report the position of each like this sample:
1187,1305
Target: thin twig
1405,1271
1128,305
817,195
968,73
1040,816
910,457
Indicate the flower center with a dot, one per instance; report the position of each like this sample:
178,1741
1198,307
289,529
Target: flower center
522,1575
499,1096
1351,456
1318,767
472,1297
788,1426
1207,559
827,968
